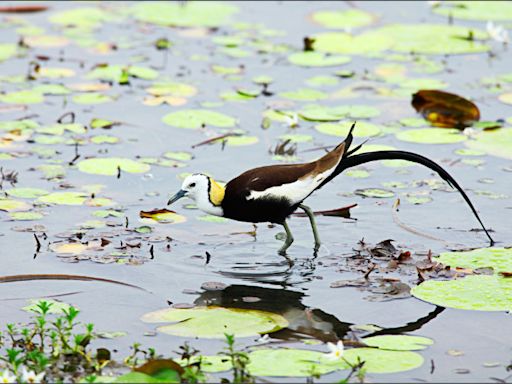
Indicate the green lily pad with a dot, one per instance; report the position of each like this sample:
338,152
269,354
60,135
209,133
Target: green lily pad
52,171
177,155
52,89
26,193
350,18
505,98
500,259
475,292
433,39
64,198
291,363
25,216
22,97
374,192
475,10
431,136
320,81
357,173
18,124
317,59
398,342
214,322
172,89
92,98
196,118
104,139
236,141
210,364
495,142
108,213
363,129
384,361
469,152
413,122
7,51
86,17
200,14
212,219
305,94
10,205
109,166
116,72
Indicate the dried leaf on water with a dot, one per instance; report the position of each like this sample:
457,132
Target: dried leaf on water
444,109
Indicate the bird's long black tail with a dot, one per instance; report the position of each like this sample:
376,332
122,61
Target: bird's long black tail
358,159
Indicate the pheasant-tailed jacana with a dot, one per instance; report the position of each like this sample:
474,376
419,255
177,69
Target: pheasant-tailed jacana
274,192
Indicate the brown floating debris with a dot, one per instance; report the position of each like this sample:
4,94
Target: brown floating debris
445,109
23,8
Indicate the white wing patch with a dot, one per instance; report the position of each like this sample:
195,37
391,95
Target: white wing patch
295,192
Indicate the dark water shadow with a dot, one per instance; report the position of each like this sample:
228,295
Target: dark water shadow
304,322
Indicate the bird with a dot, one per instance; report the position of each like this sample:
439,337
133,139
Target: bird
272,193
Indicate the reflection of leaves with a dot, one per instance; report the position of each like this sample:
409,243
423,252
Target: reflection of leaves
445,109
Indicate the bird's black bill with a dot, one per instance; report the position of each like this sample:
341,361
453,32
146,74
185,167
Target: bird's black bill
181,193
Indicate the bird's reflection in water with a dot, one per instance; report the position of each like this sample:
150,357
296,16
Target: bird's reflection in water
303,321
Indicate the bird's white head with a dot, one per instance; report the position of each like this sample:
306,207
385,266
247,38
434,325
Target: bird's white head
206,192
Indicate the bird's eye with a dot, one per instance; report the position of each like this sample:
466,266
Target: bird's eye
192,185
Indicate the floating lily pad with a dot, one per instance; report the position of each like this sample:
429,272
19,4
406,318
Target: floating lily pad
177,155
196,118
163,216
398,342
52,89
172,89
212,219
291,363
431,136
357,173
494,142
475,10
505,98
320,81
475,292
208,14
104,139
109,166
374,192
55,72
363,129
210,364
45,41
7,51
86,17
304,94
384,361
236,141
500,259
418,38
350,18
10,205
92,98
68,248
317,59
64,198
116,72
214,322
25,216
22,97
26,193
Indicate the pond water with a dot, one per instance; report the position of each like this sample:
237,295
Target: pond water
256,41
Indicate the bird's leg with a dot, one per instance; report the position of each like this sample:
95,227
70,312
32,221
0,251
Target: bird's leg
311,216
288,241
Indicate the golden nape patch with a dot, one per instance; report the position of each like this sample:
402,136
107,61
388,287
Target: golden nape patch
216,192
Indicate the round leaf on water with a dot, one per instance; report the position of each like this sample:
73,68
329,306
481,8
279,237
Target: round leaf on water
496,142
86,17
350,18
363,129
317,59
505,98
51,89
68,248
374,192
163,216
10,205
320,81
431,136
475,10
291,363
475,292
344,43
214,322
196,118
109,166
398,342
104,139
357,173
26,193
304,94
22,97
200,14
91,98
64,198
177,155
212,219
236,141
500,259
7,51
172,89
210,364
25,216
384,361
